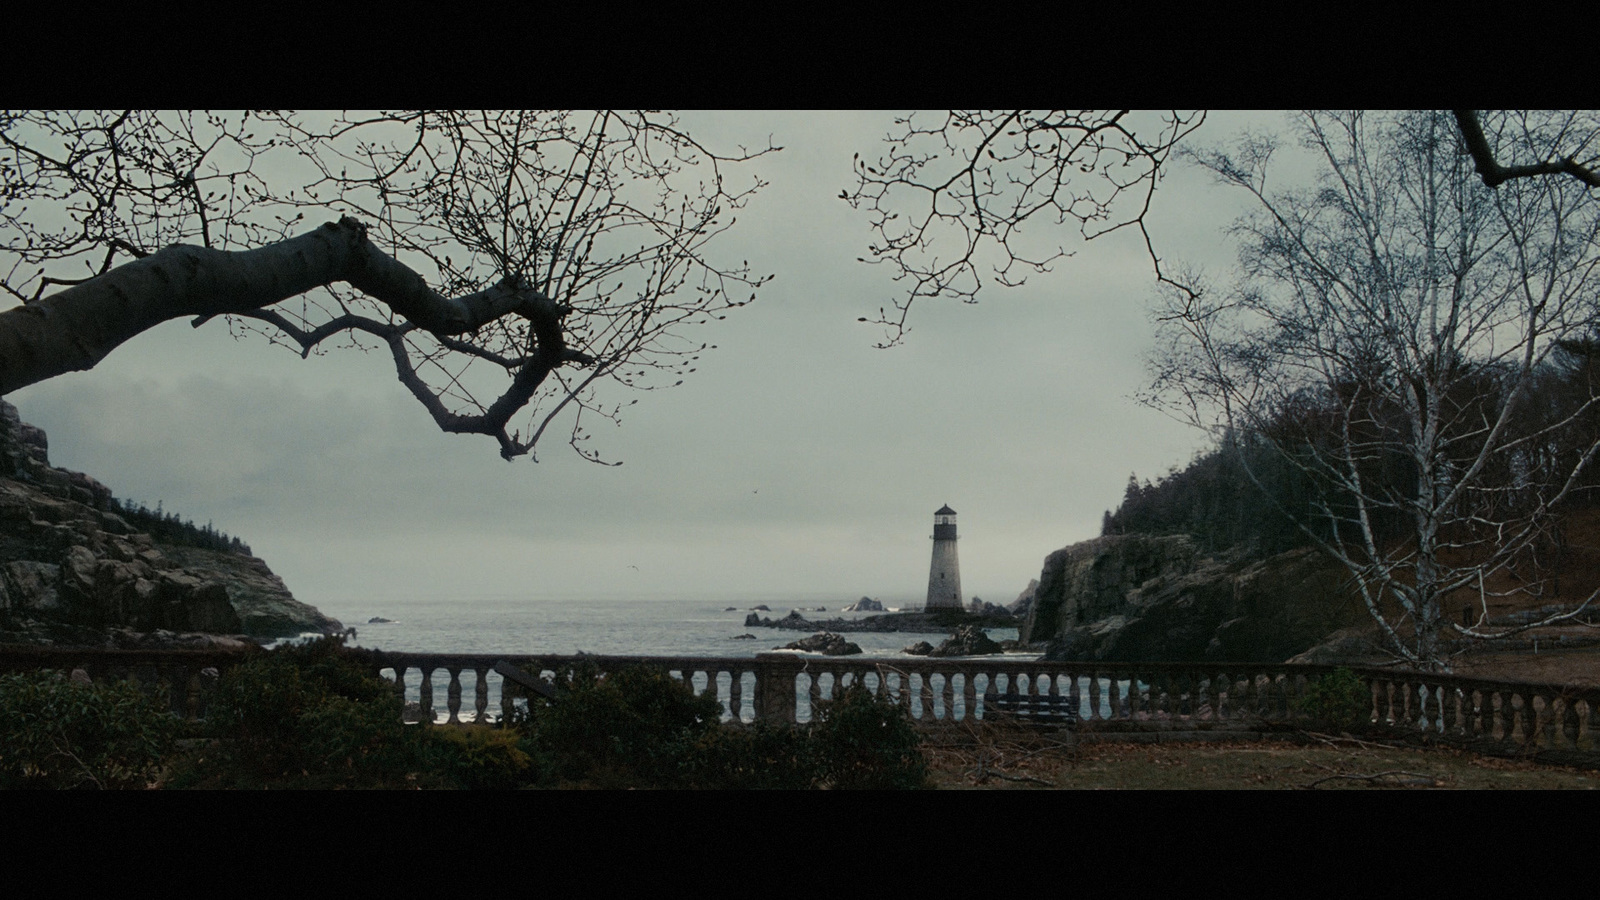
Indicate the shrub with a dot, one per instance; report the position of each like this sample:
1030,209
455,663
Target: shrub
309,716
480,758
629,728
868,743
641,728
759,756
60,733
1340,699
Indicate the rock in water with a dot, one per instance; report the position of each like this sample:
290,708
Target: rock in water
865,604
824,642
920,648
969,640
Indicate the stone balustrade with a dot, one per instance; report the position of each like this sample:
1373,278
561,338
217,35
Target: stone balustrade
183,679
785,688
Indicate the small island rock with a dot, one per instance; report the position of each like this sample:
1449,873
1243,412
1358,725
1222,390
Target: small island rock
824,642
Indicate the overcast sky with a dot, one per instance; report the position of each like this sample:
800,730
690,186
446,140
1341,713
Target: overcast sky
797,459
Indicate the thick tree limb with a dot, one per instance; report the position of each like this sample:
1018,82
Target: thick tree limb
74,329
1495,174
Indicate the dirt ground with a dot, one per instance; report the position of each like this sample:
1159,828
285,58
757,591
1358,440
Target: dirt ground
994,757
1024,761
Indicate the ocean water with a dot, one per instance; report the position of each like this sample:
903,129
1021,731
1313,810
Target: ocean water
616,626
610,626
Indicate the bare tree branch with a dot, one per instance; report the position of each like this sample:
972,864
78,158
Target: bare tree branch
950,201
484,249
1495,174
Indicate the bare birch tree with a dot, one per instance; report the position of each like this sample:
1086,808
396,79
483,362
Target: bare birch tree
1388,334
513,265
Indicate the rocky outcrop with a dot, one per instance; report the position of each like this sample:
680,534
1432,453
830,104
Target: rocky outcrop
259,598
73,571
827,643
1024,602
969,640
1142,598
865,604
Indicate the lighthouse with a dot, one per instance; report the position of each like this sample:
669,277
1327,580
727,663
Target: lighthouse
944,575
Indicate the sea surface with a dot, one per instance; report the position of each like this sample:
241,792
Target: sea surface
615,626
607,626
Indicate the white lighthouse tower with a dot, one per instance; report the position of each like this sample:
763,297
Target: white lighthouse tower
944,575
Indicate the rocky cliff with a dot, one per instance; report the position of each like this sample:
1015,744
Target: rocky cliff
1142,598
74,571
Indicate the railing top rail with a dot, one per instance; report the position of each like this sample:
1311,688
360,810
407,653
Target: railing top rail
35,656
13,656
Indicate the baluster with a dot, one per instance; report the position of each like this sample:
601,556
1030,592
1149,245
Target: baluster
1591,724
1450,710
1544,733
1479,723
1427,706
815,694
425,694
480,696
508,700
453,694
969,696
1135,695
735,696
1569,723
1511,716
1094,698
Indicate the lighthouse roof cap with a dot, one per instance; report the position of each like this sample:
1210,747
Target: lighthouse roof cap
945,511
